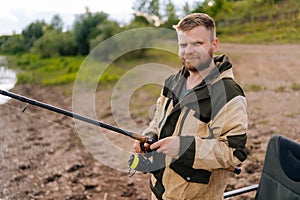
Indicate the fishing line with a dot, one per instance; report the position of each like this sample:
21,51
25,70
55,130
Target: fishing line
26,111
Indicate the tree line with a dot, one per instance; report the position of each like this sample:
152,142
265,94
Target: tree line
89,29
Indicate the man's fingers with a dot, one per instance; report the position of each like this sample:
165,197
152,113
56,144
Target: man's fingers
168,146
146,146
156,145
137,146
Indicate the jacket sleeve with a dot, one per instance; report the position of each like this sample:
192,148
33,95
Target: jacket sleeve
227,146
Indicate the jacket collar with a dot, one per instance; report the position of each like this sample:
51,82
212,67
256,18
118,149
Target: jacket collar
223,69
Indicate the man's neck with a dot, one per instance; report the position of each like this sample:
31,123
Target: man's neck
196,77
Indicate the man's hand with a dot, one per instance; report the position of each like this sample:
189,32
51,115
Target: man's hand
168,146
137,147
137,144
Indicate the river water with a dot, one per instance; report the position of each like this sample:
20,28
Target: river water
8,78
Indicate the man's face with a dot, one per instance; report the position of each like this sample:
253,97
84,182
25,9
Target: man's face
196,48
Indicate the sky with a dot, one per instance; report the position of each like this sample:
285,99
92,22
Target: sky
15,15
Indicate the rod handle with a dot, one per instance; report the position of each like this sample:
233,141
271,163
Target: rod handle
143,138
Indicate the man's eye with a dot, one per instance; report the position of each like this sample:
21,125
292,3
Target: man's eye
182,45
198,43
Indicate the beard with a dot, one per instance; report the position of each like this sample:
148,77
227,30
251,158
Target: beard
200,63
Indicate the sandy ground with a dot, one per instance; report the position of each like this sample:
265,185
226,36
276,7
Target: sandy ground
42,156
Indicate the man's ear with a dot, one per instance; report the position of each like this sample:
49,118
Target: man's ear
215,45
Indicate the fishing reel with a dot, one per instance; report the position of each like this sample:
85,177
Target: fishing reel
142,162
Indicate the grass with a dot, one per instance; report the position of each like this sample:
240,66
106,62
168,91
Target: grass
254,88
56,71
255,22
289,115
295,86
51,71
280,89
262,32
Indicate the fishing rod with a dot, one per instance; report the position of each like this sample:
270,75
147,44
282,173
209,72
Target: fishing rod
136,162
141,138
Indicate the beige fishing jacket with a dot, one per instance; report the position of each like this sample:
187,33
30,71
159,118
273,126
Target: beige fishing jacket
211,121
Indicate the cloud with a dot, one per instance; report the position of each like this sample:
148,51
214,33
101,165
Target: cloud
7,21
15,15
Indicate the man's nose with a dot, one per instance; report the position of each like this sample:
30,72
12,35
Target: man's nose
189,49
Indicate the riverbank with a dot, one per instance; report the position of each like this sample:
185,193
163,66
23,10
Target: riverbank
43,157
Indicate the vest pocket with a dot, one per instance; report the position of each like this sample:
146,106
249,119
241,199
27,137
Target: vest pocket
190,174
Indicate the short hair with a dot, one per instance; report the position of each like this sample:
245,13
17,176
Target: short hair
197,19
